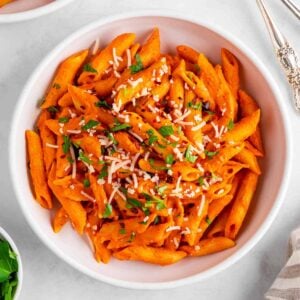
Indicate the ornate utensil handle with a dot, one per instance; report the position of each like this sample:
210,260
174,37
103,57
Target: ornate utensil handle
285,53
290,63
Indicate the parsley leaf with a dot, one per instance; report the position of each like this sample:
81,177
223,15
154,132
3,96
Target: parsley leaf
86,183
122,231
169,159
119,127
134,202
188,155
160,204
156,220
52,109
84,158
201,180
196,106
208,220
90,124
166,130
210,154
161,190
63,120
108,211
66,144
152,137
230,124
8,271
89,68
138,66
132,236
102,103
103,173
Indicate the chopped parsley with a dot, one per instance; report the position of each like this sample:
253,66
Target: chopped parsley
201,180
66,144
70,159
208,220
188,155
63,120
210,154
86,183
160,204
161,190
102,103
131,202
111,138
169,159
138,66
152,137
119,127
84,158
89,68
52,109
108,211
8,271
196,106
230,124
56,86
166,130
103,173
90,124
122,231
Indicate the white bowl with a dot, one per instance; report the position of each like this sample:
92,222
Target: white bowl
5,236
25,10
175,29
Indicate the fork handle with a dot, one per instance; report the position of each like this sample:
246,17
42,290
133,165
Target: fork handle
285,53
293,7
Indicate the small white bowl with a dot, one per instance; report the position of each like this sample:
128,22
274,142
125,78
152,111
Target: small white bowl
175,29
25,10
5,236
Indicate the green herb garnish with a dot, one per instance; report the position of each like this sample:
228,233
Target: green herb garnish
70,159
230,124
201,180
160,204
52,109
132,236
108,211
86,183
102,103
63,120
103,173
66,144
161,190
152,137
84,158
188,155
196,106
134,203
138,66
119,127
8,271
169,159
90,124
208,220
166,130
89,68
122,231
210,154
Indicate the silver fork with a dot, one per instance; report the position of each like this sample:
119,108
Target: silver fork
285,53
293,7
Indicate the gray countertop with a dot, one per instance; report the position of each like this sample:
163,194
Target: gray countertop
23,45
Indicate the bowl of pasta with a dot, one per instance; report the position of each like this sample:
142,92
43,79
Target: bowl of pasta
20,10
147,162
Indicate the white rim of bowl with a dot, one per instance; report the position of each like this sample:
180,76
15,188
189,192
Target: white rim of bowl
33,13
277,203
4,235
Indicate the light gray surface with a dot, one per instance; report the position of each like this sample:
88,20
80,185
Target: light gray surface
23,45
